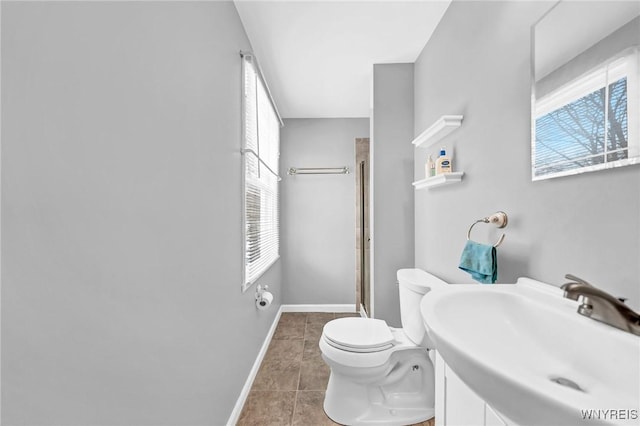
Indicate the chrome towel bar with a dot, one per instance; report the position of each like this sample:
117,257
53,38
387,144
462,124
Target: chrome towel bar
318,170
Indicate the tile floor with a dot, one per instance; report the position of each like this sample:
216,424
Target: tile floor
290,384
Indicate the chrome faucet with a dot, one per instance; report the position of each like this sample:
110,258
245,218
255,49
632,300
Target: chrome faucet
601,306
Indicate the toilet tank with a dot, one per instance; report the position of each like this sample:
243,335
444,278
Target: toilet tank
413,284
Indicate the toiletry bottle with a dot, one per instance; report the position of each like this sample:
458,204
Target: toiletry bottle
430,168
443,163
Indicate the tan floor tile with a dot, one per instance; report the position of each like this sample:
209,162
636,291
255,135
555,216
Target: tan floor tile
284,350
347,314
267,408
289,331
313,331
320,317
309,409
311,351
293,317
314,375
290,326
278,374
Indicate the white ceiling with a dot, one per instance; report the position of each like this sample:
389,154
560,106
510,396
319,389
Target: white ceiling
318,56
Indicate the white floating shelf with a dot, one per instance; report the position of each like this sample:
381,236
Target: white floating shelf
439,180
438,130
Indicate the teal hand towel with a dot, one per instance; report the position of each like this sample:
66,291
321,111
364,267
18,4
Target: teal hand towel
480,261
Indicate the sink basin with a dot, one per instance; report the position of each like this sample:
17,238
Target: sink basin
525,350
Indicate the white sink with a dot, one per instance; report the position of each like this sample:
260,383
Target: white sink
513,343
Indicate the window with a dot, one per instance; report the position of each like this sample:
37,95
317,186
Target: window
586,124
261,136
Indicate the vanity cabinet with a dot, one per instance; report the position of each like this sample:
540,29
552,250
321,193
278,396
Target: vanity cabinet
456,404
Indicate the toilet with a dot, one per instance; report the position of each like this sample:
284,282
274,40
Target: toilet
382,375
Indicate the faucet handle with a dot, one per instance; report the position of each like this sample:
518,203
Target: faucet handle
577,279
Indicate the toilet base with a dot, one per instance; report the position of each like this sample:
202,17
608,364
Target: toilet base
406,399
380,416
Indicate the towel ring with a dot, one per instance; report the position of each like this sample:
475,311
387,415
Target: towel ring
500,219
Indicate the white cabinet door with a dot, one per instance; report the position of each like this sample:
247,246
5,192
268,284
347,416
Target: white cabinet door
441,392
491,418
464,408
456,404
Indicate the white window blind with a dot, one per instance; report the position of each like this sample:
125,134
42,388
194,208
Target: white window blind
589,123
261,153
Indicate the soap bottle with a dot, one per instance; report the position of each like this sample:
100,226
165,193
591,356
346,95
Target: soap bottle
430,168
443,163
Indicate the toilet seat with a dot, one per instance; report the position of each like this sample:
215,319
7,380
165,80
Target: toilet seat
365,357
361,335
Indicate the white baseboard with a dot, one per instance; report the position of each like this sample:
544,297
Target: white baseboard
237,409
350,307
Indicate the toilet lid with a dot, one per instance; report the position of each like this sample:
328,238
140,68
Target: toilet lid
358,334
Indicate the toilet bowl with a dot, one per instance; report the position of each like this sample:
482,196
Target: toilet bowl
379,374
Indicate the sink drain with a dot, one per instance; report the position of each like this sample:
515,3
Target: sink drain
566,382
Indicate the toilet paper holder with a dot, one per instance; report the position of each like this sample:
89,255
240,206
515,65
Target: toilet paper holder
263,297
260,290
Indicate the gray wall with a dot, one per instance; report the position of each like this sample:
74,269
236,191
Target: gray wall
121,215
318,211
478,64
393,208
